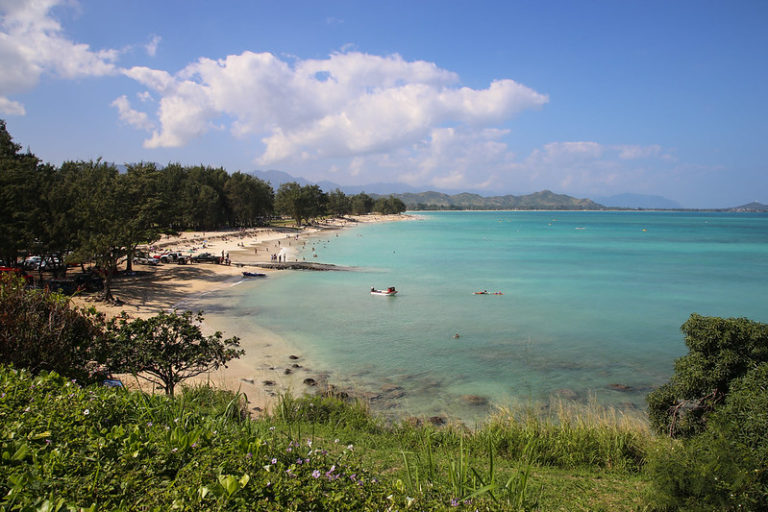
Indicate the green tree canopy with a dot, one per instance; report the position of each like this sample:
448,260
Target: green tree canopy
101,213
338,203
389,205
361,203
720,350
249,199
19,181
300,202
167,348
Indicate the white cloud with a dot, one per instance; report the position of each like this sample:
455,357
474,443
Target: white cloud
134,118
588,167
11,108
347,105
633,152
32,43
152,45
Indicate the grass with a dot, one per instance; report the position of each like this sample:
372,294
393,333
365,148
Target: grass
66,447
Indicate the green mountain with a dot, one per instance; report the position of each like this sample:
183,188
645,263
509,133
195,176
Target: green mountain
753,207
545,200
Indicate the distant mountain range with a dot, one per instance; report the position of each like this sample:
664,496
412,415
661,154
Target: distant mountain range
637,201
545,200
416,200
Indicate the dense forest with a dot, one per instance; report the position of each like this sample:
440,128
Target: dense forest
91,212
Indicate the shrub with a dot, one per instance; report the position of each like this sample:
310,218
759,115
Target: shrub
724,468
41,331
719,351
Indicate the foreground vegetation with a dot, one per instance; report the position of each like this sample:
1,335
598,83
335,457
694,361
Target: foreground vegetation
67,447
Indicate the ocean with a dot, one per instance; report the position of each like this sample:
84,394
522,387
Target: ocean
590,307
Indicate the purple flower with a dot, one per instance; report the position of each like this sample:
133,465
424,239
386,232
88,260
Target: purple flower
248,455
316,473
454,502
274,461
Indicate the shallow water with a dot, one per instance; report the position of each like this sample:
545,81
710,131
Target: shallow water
592,304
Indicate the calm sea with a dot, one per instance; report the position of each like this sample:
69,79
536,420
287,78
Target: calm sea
592,304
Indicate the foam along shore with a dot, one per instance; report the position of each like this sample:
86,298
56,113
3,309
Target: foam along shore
270,366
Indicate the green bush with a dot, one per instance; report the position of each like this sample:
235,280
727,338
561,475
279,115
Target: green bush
41,331
725,467
719,351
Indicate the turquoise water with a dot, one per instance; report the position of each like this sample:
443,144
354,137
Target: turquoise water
591,300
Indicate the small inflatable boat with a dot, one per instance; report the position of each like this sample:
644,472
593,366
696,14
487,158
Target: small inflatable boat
389,291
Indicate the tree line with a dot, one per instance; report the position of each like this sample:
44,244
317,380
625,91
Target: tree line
90,211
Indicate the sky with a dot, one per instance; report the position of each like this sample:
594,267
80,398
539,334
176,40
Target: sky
585,98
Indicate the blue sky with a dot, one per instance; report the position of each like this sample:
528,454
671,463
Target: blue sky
587,98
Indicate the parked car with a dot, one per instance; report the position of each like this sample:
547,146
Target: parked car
32,262
172,257
205,257
50,263
143,260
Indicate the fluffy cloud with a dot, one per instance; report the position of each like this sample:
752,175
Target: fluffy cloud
347,105
134,118
32,43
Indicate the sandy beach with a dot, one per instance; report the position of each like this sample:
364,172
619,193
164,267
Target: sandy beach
270,366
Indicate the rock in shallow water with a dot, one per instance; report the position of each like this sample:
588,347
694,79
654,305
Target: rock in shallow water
475,400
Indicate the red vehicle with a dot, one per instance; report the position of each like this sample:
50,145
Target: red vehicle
19,272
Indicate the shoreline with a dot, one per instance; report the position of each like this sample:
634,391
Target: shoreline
271,365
